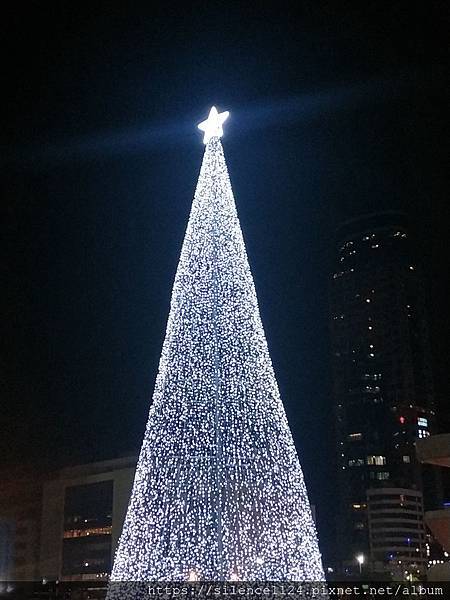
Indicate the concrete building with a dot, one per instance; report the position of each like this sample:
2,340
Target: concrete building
83,509
63,525
382,380
20,520
397,537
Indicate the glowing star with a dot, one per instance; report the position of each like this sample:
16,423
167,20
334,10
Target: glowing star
213,124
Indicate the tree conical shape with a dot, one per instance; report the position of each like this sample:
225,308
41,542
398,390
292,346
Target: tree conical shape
219,492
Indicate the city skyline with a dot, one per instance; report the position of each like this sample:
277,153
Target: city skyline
101,165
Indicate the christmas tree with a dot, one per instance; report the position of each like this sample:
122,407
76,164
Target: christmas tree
219,492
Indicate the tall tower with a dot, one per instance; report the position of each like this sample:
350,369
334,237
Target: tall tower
382,379
219,492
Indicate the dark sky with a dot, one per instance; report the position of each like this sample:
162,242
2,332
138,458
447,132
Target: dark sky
334,112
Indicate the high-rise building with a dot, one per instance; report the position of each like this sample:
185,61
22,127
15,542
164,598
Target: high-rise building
381,369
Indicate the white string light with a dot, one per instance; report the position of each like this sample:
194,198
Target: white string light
219,492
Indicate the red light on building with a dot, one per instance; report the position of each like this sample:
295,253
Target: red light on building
402,420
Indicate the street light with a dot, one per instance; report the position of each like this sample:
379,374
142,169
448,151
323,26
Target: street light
360,560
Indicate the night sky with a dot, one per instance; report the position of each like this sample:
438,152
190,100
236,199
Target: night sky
334,112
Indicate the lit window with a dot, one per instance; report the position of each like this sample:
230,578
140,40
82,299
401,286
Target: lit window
406,458
367,299
353,437
376,460
356,462
73,533
422,422
383,475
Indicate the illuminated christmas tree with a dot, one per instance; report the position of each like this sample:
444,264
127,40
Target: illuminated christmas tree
219,492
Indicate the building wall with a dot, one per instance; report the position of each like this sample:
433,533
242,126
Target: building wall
6,548
51,530
20,502
123,482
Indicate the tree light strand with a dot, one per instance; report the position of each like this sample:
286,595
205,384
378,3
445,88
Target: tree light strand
219,492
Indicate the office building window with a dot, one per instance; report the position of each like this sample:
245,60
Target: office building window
376,460
87,528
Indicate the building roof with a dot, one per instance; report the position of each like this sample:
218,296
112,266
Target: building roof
434,450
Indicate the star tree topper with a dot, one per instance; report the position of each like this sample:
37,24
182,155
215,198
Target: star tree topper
213,124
